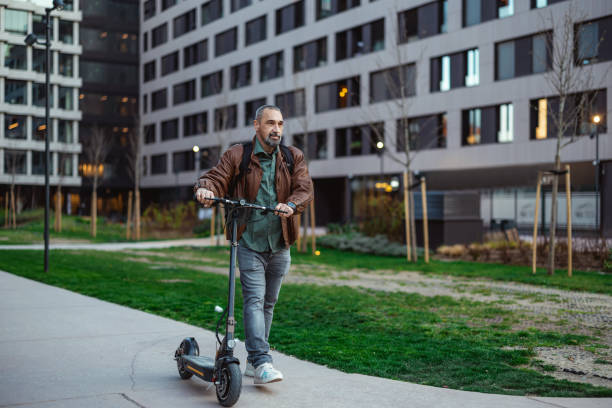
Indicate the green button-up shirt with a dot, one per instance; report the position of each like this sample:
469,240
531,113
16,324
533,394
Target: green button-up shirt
264,232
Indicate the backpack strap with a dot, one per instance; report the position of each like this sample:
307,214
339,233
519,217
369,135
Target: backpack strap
288,156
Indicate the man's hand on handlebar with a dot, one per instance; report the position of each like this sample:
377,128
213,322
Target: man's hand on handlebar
203,196
288,211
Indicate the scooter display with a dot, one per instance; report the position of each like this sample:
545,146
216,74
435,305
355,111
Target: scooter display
224,369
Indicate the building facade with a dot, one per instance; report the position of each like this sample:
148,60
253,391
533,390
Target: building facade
22,99
465,80
109,97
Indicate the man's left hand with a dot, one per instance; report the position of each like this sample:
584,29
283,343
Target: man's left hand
284,207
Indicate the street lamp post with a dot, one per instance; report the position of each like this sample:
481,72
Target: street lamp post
196,150
381,146
30,40
596,122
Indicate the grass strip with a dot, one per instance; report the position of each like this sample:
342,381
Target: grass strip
437,341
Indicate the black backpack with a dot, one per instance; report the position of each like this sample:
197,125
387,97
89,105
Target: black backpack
247,149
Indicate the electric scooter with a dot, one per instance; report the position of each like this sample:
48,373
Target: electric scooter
224,369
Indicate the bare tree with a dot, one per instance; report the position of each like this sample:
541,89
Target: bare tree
13,160
96,149
135,168
63,160
571,84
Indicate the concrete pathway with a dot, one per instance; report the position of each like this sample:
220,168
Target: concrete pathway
62,349
116,246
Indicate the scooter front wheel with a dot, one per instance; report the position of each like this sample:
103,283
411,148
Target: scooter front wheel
229,385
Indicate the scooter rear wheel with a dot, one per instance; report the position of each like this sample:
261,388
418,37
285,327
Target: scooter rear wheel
229,385
188,347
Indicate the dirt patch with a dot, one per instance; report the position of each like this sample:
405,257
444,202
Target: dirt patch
175,281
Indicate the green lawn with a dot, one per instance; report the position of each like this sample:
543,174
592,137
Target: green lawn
437,341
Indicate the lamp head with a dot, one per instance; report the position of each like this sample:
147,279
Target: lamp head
380,145
30,39
596,119
196,148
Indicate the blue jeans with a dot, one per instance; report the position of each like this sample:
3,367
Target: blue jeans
261,276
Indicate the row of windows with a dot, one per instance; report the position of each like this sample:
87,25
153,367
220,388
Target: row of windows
15,162
479,125
103,41
17,127
185,160
16,22
16,57
16,93
214,7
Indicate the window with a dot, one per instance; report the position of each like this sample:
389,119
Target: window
16,21
15,92
209,156
38,94
543,3
149,9
579,111
250,108
310,55
66,32
167,4
145,41
39,26
292,104
38,129
183,161
64,167
66,98
212,84
337,95
255,30
425,132
393,83
184,23
145,103
149,71
103,73
326,8
358,140
491,124
290,17
159,164
65,132
593,41
240,75
15,127
39,60
38,163
317,144
169,129
159,99
479,11
271,66
226,42
239,4
14,162
226,118
195,53
170,63
195,124
184,92
360,40
455,70
423,21
15,56
211,11
159,35
66,64
93,39
149,133
523,56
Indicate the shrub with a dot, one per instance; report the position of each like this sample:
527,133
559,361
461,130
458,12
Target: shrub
378,245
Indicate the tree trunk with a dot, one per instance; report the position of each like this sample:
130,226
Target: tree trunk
94,207
553,217
304,232
13,212
58,208
128,221
6,210
137,214
415,256
407,217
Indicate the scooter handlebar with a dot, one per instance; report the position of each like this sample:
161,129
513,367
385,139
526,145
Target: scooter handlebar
243,204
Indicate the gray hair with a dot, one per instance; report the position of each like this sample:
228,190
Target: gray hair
259,112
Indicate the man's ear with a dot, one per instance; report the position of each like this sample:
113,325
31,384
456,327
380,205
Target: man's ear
256,124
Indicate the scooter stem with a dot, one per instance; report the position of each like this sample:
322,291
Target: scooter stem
231,322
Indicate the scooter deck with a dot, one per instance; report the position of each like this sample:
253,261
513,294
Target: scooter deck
201,366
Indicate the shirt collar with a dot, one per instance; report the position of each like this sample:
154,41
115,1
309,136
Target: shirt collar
260,150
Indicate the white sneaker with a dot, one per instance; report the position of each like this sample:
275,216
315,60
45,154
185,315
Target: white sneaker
249,371
265,374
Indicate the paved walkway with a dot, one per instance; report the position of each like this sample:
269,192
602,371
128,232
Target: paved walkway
62,349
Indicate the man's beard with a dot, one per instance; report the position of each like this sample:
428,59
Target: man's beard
273,143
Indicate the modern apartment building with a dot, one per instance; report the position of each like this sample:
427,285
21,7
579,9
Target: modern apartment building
476,96
109,96
22,99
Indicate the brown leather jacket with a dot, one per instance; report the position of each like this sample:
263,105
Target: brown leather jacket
296,188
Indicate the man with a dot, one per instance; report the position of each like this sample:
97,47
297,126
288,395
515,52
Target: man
263,253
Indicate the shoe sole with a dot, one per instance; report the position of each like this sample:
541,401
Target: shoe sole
269,382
